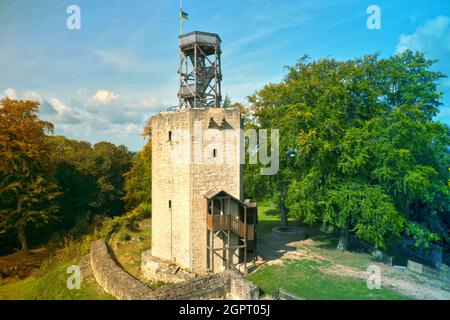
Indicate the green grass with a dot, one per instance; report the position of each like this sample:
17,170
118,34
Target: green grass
304,279
50,286
128,252
268,217
49,282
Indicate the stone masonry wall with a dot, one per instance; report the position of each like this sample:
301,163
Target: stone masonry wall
179,233
171,181
112,278
123,286
222,172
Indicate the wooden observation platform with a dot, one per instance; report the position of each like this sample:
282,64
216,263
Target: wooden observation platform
232,219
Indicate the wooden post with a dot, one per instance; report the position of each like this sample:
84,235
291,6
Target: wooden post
186,68
216,104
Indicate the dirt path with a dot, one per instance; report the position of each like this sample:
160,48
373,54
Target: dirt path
274,250
413,285
20,264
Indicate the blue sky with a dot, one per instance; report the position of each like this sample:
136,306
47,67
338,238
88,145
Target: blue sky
102,82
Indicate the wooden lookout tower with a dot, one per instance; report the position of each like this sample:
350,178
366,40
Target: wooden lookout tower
199,218
199,70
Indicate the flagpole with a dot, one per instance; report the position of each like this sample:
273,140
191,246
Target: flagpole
181,19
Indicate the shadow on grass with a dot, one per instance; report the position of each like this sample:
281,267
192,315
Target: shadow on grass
270,246
272,212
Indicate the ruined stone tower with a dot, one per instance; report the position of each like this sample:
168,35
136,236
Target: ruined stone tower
199,220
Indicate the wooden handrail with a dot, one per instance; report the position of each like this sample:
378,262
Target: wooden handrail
229,222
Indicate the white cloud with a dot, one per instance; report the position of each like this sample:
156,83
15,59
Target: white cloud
104,96
104,116
31,95
10,93
65,114
433,36
132,128
45,108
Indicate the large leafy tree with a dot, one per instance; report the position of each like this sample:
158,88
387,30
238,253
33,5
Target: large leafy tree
27,190
91,178
138,181
364,152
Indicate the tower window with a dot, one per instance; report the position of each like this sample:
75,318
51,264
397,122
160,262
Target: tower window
170,136
214,153
170,204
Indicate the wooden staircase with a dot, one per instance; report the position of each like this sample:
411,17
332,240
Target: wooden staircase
228,222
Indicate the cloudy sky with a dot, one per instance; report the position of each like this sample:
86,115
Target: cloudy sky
103,81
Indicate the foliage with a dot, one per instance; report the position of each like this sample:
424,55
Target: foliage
138,186
91,178
315,264
44,177
226,102
72,250
359,148
49,282
27,191
113,225
367,209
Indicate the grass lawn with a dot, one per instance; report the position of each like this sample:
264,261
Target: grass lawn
128,245
305,277
50,286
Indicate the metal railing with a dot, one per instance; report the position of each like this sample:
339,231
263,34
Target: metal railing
282,294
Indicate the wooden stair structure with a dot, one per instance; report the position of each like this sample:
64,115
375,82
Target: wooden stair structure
228,222
221,220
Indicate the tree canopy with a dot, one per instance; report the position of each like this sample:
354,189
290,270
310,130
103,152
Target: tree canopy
27,191
51,185
359,149
138,181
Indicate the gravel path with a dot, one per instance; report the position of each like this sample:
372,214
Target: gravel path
274,250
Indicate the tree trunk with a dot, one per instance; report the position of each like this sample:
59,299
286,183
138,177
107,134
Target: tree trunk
23,239
343,240
283,215
21,236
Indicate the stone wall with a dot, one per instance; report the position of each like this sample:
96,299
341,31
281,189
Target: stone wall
242,289
222,172
441,273
123,286
114,279
171,181
183,170
155,269
209,286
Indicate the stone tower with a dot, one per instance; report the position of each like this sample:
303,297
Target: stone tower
196,164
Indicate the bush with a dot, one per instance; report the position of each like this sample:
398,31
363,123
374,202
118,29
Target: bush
114,225
73,248
71,251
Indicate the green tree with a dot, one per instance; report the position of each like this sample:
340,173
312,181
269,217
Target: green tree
363,147
226,102
27,189
91,181
138,181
